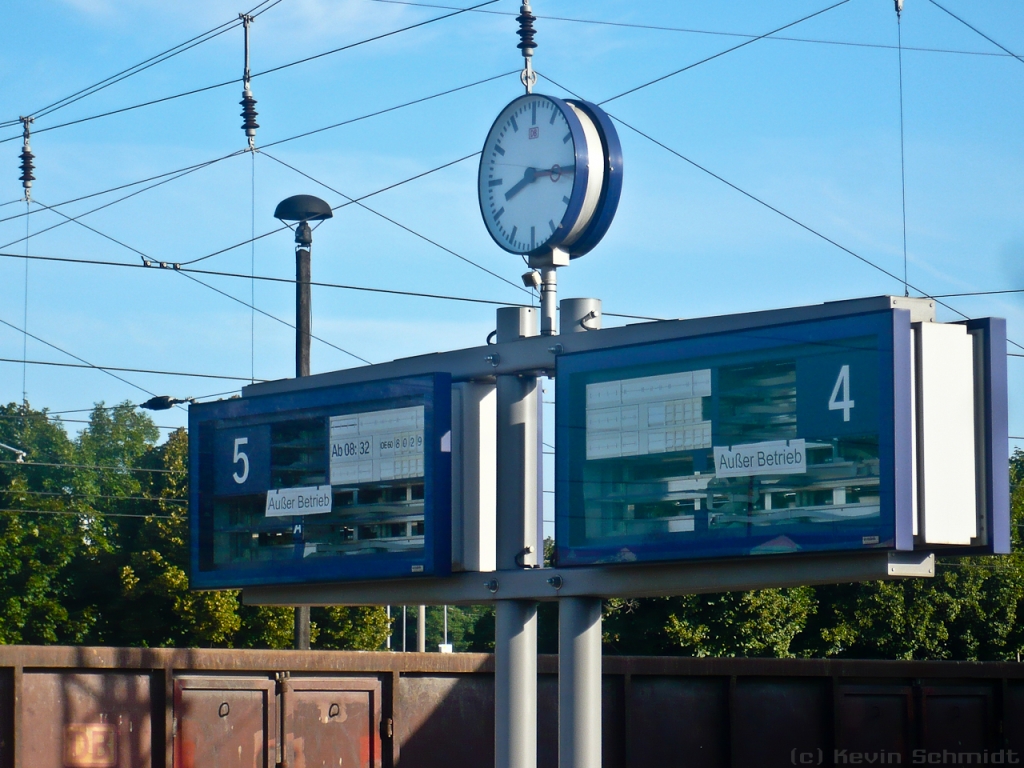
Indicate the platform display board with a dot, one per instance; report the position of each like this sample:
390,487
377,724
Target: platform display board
333,484
779,439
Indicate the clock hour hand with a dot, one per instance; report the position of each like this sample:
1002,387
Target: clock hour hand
529,176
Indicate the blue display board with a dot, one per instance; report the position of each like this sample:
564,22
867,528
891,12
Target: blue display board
774,440
332,484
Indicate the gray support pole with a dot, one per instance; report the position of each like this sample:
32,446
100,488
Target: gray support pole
515,684
579,682
421,629
303,320
515,636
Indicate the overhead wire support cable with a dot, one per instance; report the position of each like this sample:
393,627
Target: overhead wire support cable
165,180
396,223
903,167
278,68
84,513
76,357
291,281
112,467
142,65
723,53
710,32
978,31
774,209
126,370
267,314
119,187
197,166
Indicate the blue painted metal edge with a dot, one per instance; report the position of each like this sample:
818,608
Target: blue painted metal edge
611,191
903,445
435,391
893,330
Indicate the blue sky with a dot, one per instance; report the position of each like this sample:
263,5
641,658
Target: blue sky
810,127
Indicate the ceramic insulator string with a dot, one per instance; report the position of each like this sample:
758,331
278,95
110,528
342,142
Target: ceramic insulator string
27,166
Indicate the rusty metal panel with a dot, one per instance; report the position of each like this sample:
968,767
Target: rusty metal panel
225,723
6,718
677,721
875,720
85,720
445,720
778,720
331,723
955,718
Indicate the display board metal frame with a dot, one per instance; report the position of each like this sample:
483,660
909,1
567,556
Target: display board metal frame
228,492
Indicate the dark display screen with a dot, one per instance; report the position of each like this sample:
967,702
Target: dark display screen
339,483
768,441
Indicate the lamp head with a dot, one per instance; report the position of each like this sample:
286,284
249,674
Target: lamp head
303,208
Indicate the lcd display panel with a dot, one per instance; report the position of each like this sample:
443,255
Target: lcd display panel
772,440
332,484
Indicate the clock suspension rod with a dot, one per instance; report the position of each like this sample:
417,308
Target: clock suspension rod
526,45
548,300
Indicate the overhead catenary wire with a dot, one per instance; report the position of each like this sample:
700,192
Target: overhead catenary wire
903,167
165,180
272,317
776,210
127,370
335,208
60,420
76,357
73,495
119,187
259,74
716,33
84,513
399,224
197,166
116,407
978,31
269,278
143,65
722,53
66,465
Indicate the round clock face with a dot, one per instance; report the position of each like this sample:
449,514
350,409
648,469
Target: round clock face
534,174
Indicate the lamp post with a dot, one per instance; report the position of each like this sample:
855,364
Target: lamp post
302,209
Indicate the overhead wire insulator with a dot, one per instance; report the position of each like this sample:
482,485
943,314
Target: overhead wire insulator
249,124
249,116
27,166
527,45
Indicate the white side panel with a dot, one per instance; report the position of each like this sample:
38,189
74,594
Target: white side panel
945,417
474,467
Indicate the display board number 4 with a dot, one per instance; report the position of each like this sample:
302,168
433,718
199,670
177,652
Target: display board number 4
842,383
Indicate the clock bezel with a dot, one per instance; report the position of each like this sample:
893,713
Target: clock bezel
580,179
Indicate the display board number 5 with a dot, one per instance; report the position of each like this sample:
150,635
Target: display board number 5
834,404
241,457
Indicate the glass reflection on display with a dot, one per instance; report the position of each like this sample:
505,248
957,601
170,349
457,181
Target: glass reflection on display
774,449
340,484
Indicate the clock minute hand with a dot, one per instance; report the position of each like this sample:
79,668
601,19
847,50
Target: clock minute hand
529,176
557,171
